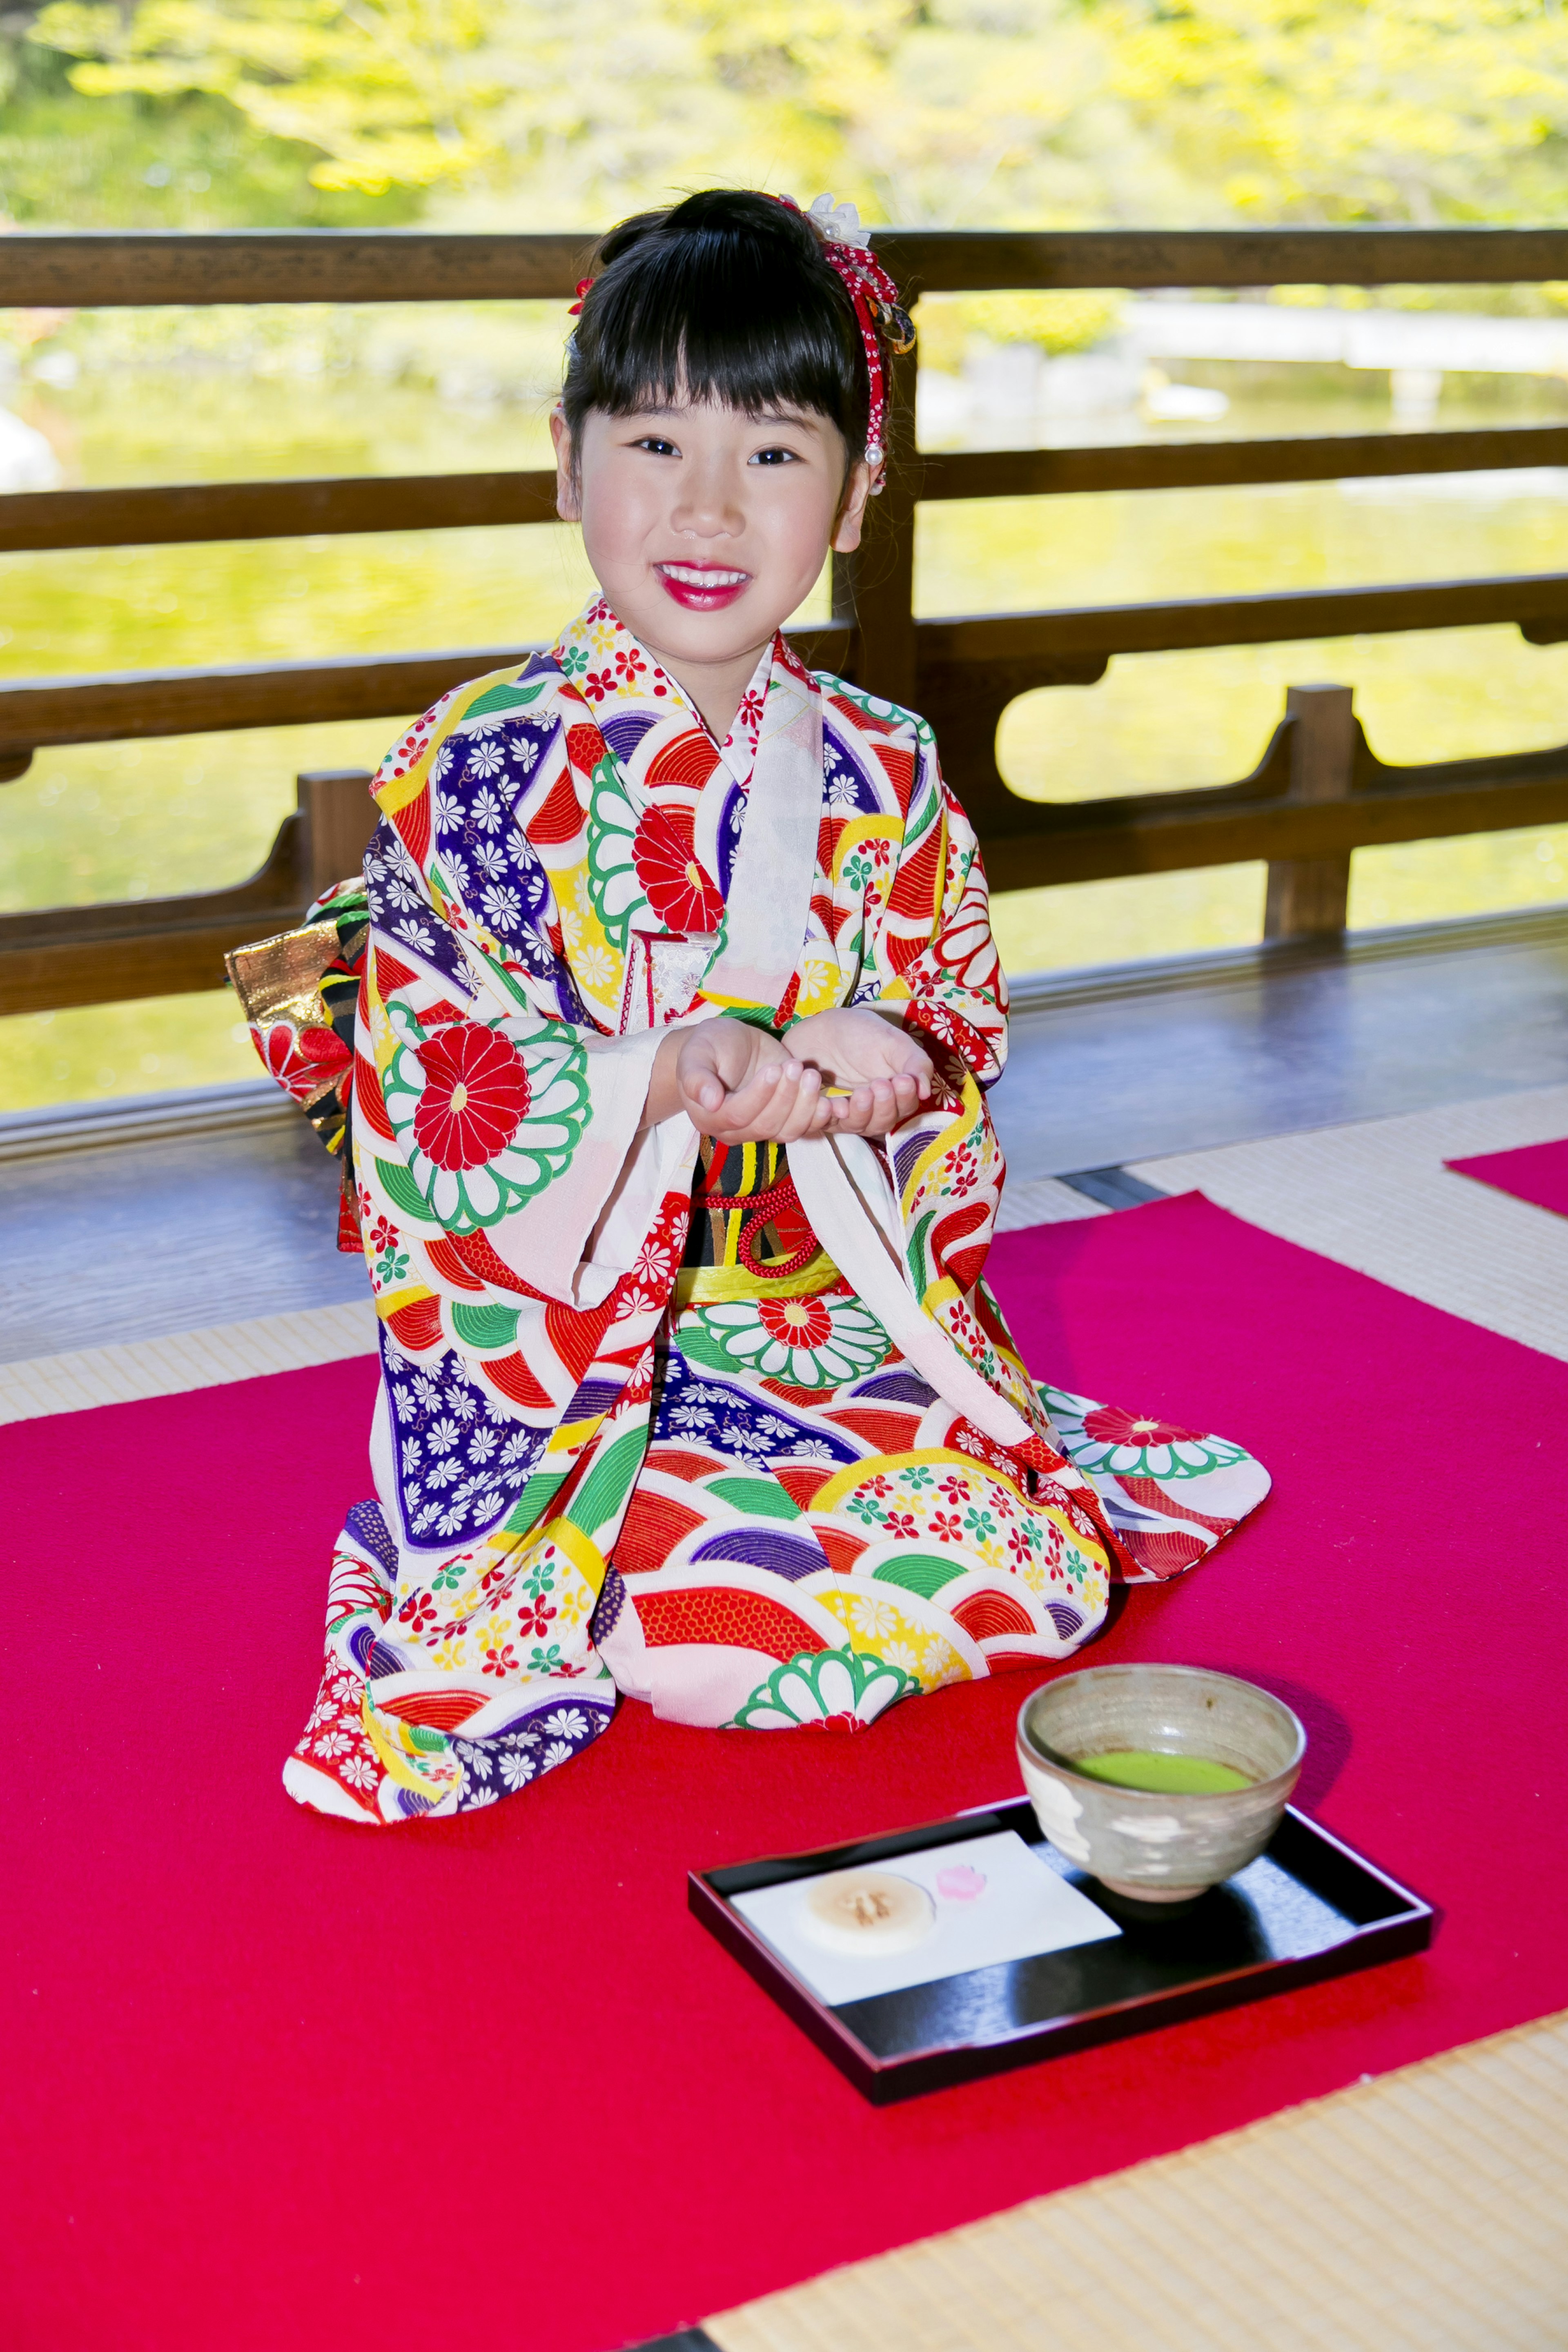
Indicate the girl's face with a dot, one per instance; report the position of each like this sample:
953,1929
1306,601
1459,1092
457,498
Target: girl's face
706,528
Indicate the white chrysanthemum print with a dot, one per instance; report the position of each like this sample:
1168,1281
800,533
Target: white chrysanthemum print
811,1343
1123,1444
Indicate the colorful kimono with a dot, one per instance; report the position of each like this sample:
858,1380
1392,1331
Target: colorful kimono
741,1433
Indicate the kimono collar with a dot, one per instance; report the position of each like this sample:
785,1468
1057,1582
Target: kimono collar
754,844
617,675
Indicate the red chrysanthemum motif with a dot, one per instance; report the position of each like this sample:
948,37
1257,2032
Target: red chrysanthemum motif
476,1093
682,895
1113,1424
301,1061
798,1322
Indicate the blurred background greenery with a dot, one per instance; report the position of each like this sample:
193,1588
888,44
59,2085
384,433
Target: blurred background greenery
511,113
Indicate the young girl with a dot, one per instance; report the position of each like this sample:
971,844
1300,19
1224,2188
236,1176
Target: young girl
670,1151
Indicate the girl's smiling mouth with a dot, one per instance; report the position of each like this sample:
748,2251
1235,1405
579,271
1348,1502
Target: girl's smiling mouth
702,587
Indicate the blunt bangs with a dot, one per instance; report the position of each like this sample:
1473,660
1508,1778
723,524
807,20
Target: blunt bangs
726,298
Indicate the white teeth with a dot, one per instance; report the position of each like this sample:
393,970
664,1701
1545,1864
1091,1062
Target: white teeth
692,577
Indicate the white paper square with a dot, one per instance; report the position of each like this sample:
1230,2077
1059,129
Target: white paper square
1025,1910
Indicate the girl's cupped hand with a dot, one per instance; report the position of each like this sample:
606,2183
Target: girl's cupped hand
886,1074
740,1085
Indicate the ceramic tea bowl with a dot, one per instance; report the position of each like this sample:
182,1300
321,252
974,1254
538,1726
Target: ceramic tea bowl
1149,1846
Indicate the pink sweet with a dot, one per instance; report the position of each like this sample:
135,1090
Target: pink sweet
961,1884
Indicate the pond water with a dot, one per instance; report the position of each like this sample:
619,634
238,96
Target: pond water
145,820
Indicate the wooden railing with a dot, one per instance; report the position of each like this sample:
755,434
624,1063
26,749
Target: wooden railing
1318,793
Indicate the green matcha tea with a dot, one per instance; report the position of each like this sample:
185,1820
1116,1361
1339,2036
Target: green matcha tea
1176,1776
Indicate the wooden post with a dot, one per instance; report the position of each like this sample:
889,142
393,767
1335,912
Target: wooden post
1306,895
338,817
874,588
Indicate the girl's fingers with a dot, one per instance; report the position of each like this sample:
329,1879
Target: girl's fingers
756,1112
880,1108
864,1114
798,1116
802,1116
755,1106
728,1110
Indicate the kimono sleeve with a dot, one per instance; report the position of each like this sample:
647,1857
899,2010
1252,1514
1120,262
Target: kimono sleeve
935,952
485,1114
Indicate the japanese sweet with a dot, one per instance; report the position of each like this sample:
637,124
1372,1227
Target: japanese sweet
1159,1780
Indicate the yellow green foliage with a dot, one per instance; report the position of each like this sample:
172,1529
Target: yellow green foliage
1057,112
1356,110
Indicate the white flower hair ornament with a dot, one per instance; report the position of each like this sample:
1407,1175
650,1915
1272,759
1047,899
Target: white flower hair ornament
839,224
847,247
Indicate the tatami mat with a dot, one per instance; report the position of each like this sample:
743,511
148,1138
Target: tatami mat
129,1368
1043,1200
1428,2209
1377,1197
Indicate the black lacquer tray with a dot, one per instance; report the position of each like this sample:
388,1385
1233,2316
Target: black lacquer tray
1308,1908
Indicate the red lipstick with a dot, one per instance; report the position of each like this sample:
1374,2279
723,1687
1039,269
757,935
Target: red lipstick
703,587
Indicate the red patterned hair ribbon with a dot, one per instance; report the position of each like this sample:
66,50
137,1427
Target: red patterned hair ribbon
846,247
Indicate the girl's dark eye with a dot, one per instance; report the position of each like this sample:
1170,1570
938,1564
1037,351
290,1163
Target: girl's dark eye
775,458
656,447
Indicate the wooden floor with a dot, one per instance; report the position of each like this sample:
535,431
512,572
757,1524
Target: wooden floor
135,1240
1134,1064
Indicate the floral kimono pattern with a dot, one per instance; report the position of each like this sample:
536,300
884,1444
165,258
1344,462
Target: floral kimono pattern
740,1434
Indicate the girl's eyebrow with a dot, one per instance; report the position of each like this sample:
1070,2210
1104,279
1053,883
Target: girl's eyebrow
766,418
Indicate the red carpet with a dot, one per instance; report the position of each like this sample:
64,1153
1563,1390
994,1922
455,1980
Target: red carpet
1538,1172
277,2082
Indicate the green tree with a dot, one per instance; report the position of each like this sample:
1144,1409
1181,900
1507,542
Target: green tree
1418,110
559,112
185,160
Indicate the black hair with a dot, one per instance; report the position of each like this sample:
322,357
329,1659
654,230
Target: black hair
729,297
